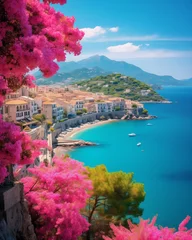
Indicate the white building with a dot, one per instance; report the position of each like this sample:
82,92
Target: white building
32,104
145,92
103,107
60,112
78,104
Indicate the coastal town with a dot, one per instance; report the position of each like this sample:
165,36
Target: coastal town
45,112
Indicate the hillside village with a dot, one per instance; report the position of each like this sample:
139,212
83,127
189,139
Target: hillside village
54,104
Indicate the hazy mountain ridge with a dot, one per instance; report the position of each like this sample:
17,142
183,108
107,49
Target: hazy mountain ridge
101,65
71,77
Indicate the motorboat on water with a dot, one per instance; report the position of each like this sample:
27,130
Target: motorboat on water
138,144
149,124
132,134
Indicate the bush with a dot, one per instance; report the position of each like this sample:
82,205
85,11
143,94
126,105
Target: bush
84,110
49,123
134,105
79,112
145,111
117,108
52,129
102,118
39,117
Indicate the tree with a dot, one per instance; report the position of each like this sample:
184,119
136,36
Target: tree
56,194
84,110
134,105
146,230
16,148
79,112
52,129
115,197
145,111
39,117
33,35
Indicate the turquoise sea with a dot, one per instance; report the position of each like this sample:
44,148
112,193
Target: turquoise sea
163,162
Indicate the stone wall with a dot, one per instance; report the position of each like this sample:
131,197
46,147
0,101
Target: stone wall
37,133
62,126
15,221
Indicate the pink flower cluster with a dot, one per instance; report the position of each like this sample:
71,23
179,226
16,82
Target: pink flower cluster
33,34
56,194
148,231
16,147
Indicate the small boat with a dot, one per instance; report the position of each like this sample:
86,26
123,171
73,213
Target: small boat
149,124
132,134
138,144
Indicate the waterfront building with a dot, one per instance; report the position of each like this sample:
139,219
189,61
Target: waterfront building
104,107
32,104
90,107
49,109
15,110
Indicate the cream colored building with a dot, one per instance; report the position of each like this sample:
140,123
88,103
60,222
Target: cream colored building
52,111
16,110
49,109
32,104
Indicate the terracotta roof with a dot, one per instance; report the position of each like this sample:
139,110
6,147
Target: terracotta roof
48,103
15,102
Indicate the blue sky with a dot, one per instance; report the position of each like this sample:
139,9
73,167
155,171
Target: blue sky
155,35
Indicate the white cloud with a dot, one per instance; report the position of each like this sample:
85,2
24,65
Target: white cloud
147,44
114,29
155,53
93,32
147,38
124,48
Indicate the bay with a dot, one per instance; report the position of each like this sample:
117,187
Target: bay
163,162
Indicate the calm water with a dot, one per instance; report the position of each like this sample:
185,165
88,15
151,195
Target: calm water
165,165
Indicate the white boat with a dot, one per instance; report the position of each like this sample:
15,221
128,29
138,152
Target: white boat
132,134
138,144
149,124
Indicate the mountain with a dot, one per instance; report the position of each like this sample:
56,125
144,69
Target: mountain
101,65
118,85
124,68
70,77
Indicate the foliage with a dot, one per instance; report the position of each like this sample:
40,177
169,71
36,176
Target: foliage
115,196
134,105
117,108
56,194
79,112
33,35
52,129
63,120
49,123
39,117
84,110
102,117
120,86
16,147
146,230
145,111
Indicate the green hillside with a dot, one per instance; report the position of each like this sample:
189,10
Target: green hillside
120,86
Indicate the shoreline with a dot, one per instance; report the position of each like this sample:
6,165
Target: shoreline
59,150
86,126
164,102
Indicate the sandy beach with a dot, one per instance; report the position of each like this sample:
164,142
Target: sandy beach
63,150
86,126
